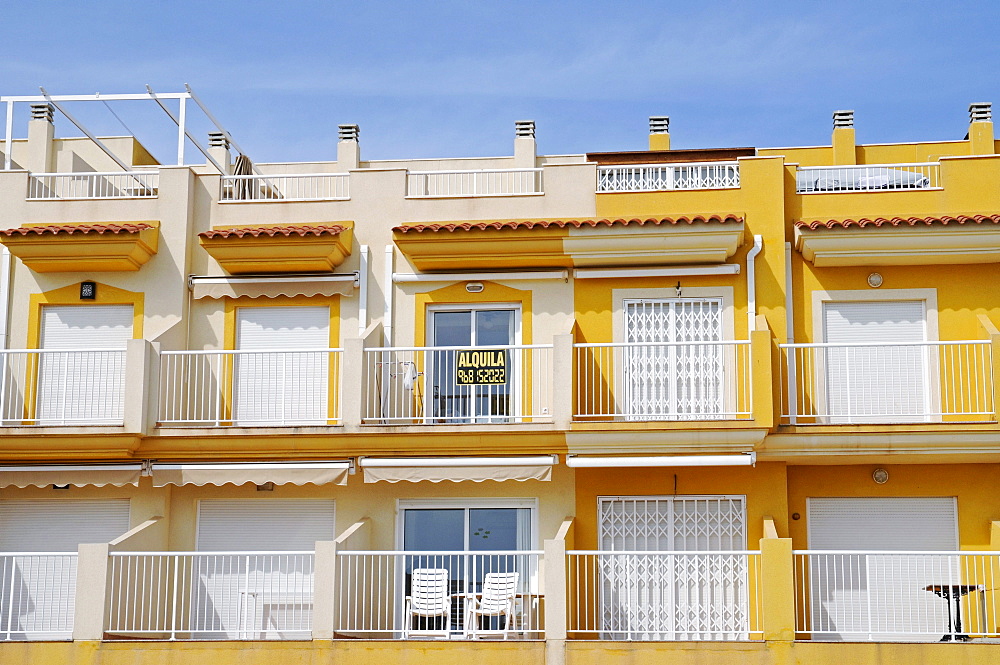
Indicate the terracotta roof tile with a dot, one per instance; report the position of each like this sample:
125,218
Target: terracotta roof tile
272,231
898,221
577,223
76,228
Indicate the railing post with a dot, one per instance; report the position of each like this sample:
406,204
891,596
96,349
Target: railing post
762,376
554,592
138,385
353,396
324,590
562,381
777,579
91,592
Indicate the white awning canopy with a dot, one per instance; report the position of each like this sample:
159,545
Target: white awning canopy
272,286
78,476
741,459
258,473
457,469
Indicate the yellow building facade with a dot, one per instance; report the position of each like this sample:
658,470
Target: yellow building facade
713,405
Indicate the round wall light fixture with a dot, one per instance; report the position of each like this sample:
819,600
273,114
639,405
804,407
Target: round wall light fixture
875,280
880,476
474,287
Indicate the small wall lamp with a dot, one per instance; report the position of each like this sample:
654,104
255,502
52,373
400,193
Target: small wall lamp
88,290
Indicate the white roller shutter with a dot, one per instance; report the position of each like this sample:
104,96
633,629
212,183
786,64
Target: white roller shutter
855,596
39,590
77,386
262,596
877,383
284,385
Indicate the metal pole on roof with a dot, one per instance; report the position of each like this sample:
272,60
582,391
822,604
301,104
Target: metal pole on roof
208,114
9,139
183,129
181,124
97,141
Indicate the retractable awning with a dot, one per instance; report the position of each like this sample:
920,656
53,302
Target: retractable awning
258,473
81,475
272,286
741,459
457,469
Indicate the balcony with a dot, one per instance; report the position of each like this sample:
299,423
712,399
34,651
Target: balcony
83,186
273,388
285,187
867,178
889,383
668,177
64,387
473,183
896,596
682,381
449,385
38,596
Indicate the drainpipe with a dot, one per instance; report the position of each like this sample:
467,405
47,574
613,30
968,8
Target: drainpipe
388,288
790,333
758,244
363,291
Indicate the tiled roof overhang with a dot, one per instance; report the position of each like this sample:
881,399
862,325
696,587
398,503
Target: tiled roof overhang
99,247
544,243
283,248
874,241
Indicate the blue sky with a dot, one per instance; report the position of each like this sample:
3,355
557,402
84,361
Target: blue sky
442,79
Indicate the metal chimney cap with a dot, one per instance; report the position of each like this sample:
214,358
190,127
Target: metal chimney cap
981,112
42,112
349,132
218,140
659,124
524,129
843,119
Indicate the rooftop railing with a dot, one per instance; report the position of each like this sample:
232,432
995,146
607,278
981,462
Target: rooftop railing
297,187
117,185
867,178
472,183
668,177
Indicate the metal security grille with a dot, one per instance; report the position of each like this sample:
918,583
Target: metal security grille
675,576
668,374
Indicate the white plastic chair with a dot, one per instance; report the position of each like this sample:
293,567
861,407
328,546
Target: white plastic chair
497,599
429,598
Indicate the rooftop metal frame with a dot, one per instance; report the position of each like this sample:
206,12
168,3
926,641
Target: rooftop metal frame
179,119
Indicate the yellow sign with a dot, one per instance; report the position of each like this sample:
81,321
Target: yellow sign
481,368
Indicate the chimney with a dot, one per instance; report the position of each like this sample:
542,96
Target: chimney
844,145
218,148
41,132
348,149
659,132
524,144
981,129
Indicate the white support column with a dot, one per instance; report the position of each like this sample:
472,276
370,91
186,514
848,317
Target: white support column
137,387
554,588
353,369
325,590
562,381
9,140
91,592
388,287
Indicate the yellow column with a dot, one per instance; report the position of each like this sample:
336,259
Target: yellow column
993,335
995,536
981,138
844,146
761,377
777,580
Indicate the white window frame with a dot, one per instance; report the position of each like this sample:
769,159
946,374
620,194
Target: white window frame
516,369
932,398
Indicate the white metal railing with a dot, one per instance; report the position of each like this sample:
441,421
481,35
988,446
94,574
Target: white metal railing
264,388
217,595
667,177
485,182
297,187
641,595
373,586
37,596
427,386
117,185
62,387
867,178
887,383
644,381
901,596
